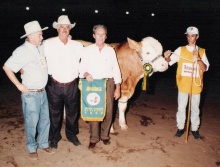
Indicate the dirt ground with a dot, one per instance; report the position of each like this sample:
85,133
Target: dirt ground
149,142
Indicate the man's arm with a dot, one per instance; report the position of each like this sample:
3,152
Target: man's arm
14,80
201,65
199,60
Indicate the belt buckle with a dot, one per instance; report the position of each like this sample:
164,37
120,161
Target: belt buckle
37,90
40,90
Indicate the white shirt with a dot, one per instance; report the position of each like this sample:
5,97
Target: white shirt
100,64
29,58
63,59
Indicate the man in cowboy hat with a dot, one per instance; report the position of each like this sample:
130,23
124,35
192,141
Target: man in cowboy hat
34,98
63,56
192,63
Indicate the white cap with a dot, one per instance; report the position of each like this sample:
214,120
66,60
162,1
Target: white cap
192,30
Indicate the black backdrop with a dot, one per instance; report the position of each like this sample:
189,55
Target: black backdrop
171,19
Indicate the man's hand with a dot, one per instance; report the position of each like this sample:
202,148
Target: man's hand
22,88
196,56
117,92
21,71
89,78
167,54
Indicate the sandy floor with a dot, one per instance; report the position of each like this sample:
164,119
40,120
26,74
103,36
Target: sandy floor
149,142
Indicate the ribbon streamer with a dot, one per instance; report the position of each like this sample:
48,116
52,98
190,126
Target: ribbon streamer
147,70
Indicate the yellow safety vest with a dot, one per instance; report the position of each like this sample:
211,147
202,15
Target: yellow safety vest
184,79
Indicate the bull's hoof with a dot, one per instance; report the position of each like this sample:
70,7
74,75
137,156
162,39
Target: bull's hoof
112,130
124,127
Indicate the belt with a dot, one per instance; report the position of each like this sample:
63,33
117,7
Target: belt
62,84
37,90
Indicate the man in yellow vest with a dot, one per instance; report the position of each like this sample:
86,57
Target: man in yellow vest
192,63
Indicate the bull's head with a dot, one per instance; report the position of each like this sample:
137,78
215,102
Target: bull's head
150,51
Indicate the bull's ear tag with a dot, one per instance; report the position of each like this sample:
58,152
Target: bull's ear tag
147,70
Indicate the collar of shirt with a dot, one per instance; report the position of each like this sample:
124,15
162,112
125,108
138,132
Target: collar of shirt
190,48
60,42
32,46
102,47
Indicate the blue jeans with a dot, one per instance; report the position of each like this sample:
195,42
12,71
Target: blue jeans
36,120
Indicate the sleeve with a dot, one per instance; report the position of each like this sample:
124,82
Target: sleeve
81,49
116,69
17,61
83,63
205,61
175,56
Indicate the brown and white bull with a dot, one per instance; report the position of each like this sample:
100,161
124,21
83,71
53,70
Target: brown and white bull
131,57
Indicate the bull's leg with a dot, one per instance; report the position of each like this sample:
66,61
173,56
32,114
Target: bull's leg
122,107
112,130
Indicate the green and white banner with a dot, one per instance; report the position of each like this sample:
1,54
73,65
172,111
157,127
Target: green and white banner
93,99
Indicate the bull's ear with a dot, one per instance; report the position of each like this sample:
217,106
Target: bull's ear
133,44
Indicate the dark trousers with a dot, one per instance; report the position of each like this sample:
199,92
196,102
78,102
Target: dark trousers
102,129
58,97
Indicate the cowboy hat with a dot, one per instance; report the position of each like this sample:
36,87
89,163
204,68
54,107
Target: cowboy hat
32,27
63,20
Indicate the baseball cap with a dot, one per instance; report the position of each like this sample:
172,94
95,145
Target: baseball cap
192,30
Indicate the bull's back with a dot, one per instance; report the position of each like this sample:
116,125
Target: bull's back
130,66
128,60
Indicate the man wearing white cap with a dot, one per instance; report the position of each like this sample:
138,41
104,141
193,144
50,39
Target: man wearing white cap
29,57
63,56
192,63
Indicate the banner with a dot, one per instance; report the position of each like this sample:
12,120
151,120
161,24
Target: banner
93,99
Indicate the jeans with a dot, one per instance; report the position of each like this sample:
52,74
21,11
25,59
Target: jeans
36,120
181,114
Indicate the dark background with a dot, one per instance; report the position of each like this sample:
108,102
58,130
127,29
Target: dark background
169,24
